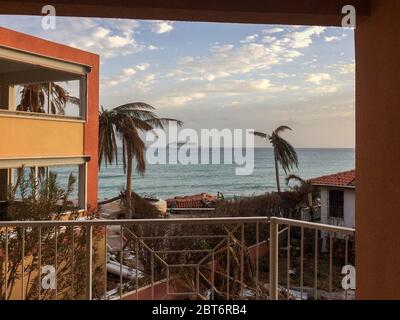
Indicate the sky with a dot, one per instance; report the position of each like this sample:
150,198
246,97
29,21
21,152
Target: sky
222,75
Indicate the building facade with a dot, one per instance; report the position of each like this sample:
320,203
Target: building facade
57,141
337,198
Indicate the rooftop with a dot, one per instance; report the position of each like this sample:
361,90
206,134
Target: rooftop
342,179
202,200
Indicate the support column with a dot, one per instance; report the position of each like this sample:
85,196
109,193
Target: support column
82,193
6,178
273,259
3,184
7,97
83,83
378,152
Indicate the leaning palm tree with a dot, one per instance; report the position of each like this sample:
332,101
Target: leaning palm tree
284,152
33,98
126,122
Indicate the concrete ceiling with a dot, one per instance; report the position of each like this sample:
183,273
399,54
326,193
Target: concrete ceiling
7,66
14,72
315,12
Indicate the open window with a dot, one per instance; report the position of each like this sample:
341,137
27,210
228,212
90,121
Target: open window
10,169
41,86
336,204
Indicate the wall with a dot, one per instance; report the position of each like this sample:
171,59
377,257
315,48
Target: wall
42,47
349,208
324,205
378,152
47,137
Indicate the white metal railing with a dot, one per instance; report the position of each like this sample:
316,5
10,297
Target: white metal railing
234,258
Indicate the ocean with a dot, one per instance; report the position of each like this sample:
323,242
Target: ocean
171,180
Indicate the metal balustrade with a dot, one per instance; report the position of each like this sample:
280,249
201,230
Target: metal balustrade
203,258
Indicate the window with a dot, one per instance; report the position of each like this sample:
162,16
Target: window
336,204
60,98
10,170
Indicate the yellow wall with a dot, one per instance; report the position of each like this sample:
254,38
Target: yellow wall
29,137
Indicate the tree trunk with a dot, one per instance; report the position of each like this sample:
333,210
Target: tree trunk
310,205
277,172
130,206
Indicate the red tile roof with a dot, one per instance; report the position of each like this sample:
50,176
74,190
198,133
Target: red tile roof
341,179
202,200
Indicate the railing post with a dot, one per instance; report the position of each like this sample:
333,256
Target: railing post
273,259
89,261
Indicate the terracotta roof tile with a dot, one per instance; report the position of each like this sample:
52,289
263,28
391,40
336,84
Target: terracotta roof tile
195,201
341,179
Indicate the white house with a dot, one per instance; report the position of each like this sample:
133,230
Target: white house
337,198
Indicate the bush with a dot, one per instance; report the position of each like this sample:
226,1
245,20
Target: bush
43,200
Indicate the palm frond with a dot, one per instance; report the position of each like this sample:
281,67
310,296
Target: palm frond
126,121
295,178
281,129
33,98
259,134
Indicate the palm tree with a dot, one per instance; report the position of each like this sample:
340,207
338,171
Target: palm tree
33,98
284,152
306,185
126,122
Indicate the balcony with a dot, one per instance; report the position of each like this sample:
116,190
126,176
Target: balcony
256,258
28,135
29,131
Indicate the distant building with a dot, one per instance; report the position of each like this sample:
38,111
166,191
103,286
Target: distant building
203,200
337,198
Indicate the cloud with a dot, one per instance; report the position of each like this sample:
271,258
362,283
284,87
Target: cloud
333,38
222,48
303,39
345,68
160,27
139,81
226,60
323,89
144,84
152,47
268,39
142,66
246,90
318,78
249,39
106,37
179,100
102,37
283,75
273,30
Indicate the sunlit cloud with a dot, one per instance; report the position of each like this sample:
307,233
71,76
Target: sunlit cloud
162,26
